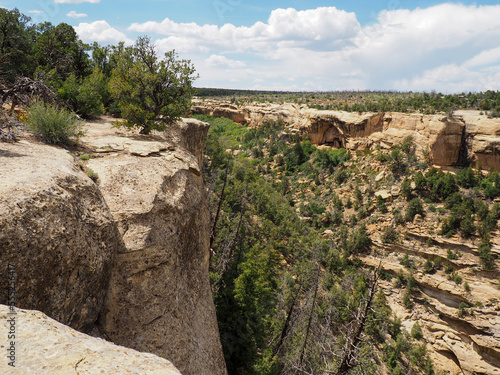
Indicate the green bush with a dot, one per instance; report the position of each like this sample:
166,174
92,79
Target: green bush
414,207
55,125
416,331
389,235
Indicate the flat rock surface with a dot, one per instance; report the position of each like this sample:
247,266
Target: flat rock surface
44,346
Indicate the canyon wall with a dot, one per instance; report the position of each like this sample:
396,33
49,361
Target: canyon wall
466,136
125,258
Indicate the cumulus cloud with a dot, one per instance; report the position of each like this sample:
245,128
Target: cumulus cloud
76,1
36,11
102,32
287,28
487,57
74,14
447,47
224,62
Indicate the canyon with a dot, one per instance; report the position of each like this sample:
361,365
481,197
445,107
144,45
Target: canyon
448,139
113,240
460,314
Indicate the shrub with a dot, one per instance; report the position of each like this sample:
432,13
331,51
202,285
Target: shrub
462,309
359,241
381,205
407,301
429,267
389,235
416,331
92,175
487,258
414,207
407,261
55,125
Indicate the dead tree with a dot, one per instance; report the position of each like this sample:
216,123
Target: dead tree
24,90
349,359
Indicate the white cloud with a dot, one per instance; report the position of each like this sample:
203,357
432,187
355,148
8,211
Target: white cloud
76,1
102,32
448,47
285,27
36,11
224,62
74,14
487,57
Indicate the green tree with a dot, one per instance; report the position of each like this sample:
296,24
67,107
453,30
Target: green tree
414,207
151,93
15,45
60,53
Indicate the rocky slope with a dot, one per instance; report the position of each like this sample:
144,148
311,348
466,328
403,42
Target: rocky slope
449,140
47,347
126,258
458,303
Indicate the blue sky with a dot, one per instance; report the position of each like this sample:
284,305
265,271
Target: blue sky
303,45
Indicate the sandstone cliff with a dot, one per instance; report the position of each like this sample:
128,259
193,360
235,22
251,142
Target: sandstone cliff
57,233
46,347
449,140
126,258
159,298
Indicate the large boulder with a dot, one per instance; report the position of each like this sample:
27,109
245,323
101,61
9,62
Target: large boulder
56,233
44,346
159,297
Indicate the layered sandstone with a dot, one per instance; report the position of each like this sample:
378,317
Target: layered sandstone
448,140
44,346
125,257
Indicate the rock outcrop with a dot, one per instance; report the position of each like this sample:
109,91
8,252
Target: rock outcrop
56,233
44,346
159,299
125,258
461,325
449,140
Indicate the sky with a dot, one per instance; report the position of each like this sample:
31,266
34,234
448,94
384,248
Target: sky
313,45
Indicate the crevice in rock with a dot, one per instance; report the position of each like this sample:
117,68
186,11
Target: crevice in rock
451,356
463,154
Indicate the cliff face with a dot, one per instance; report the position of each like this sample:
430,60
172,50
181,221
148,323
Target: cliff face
159,298
56,232
45,346
448,140
129,253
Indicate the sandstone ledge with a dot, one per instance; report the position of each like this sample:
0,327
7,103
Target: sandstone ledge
47,347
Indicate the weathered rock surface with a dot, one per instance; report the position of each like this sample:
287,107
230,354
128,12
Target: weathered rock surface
56,231
44,346
449,140
460,343
159,297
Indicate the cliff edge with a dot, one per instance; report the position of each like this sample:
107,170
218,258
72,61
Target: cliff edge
125,258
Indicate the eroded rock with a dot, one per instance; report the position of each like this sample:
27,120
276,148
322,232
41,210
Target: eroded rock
159,298
57,233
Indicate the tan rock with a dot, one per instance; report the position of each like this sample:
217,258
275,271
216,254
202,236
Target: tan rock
445,138
159,297
395,190
384,194
44,346
57,232
380,176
